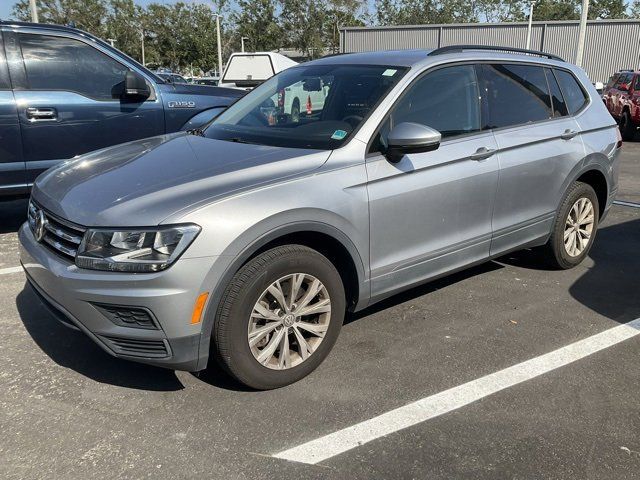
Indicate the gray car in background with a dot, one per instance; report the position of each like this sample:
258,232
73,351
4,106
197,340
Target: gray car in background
248,241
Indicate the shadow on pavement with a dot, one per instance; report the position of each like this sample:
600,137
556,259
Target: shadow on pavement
13,213
423,289
72,349
612,286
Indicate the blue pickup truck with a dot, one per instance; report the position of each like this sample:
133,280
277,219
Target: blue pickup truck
64,92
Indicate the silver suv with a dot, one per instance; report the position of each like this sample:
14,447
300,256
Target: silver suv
250,239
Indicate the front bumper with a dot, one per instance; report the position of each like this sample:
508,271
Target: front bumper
71,294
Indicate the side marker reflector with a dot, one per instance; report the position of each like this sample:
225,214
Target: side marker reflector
198,307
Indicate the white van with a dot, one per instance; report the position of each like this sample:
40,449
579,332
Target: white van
248,70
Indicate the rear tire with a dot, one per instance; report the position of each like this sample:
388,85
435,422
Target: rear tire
259,298
575,227
627,128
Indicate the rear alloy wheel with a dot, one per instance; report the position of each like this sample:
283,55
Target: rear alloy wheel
575,227
627,127
279,318
578,227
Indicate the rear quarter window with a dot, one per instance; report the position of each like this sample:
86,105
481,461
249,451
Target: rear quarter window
574,95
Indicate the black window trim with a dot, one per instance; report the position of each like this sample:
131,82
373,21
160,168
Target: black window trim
95,45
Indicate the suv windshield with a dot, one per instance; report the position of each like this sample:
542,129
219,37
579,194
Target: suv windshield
315,106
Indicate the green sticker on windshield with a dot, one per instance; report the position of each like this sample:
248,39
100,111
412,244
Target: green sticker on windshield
339,135
389,72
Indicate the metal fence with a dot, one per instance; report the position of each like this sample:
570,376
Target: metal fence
610,44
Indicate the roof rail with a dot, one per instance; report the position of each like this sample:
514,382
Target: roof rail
460,48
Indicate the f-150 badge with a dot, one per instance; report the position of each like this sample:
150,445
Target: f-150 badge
181,104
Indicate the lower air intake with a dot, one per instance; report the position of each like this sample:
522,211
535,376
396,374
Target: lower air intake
136,347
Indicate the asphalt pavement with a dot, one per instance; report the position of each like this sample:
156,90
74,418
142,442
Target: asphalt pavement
69,410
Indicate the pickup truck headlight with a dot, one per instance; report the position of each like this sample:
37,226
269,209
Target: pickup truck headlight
134,250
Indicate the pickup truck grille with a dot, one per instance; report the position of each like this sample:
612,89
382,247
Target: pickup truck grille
60,236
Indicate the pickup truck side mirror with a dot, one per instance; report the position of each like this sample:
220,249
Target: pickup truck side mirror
624,87
135,86
409,137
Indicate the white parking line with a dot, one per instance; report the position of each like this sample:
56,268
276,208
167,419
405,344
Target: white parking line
626,204
348,438
6,271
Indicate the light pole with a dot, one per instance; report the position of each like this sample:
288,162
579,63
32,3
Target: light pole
242,39
112,41
34,11
142,39
530,24
219,44
582,32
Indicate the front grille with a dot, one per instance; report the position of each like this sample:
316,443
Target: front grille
60,236
133,317
138,347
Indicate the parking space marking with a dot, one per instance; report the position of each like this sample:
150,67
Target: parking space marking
626,204
6,271
400,418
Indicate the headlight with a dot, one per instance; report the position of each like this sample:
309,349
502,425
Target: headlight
134,250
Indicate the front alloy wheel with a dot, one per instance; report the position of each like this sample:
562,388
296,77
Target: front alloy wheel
279,317
289,321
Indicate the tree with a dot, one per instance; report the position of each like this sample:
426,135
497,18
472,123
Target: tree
304,21
342,13
257,20
124,25
88,15
417,12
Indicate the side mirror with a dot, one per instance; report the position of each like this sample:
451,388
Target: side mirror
135,86
312,85
624,87
409,137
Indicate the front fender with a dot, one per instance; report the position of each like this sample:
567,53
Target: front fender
225,270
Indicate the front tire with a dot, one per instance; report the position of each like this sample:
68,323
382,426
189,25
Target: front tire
279,318
575,227
627,127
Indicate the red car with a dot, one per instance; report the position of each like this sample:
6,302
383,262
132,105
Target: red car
622,98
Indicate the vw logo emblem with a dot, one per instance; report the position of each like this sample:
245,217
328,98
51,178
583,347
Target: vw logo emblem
39,225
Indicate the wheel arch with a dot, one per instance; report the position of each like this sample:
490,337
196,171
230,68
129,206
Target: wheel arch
598,181
327,239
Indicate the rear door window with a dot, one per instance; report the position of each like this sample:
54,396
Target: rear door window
636,85
573,93
60,63
517,94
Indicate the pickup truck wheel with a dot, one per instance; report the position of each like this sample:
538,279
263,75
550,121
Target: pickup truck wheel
627,127
279,318
575,227
295,111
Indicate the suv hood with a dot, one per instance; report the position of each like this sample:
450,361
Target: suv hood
141,183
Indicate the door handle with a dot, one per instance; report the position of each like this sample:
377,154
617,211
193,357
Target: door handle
568,134
43,113
482,153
